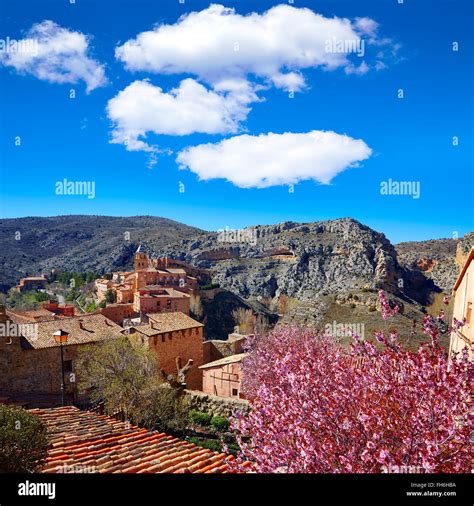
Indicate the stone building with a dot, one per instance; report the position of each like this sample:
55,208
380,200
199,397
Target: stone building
148,272
31,283
170,336
156,299
30,358
463,292
215,349
119,312
223,377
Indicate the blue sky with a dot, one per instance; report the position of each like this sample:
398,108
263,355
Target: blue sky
410,139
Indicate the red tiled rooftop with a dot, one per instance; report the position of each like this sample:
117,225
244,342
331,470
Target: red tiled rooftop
88,442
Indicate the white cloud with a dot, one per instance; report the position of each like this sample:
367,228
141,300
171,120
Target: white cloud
275,159
142,107
55,54
217,44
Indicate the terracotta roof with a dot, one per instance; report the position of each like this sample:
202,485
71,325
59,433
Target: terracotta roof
231,359
87,442
169,322
176,270
464,269
82,329
164,292
31,316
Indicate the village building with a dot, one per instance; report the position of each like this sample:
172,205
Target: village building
463,293
215,349
148,272
48,311
120,313
223,377
172,336
31,283
86,442
30,358
156,299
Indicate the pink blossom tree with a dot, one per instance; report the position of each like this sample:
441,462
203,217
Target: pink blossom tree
376,407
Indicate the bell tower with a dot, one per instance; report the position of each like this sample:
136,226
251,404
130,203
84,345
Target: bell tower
140,261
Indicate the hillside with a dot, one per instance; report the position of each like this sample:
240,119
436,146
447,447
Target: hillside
438,259
303,260
79,243
327,270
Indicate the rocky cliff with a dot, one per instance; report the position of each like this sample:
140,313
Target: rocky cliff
301,260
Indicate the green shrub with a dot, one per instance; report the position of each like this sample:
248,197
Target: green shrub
23,441
352,306
91,307
209,286
372,308
211,444
41,297
199,418
233,449
220,423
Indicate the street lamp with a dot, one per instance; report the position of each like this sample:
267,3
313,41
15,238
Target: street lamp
60,336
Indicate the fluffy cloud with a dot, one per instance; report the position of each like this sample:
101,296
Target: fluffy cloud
217,44
142,107
275,159
55,54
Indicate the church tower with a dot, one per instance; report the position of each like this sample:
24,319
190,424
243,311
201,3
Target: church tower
141,259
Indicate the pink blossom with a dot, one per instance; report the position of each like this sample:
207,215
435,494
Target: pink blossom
317,407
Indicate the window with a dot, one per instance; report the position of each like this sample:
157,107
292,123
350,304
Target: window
468,313
235,392
67,366
169,302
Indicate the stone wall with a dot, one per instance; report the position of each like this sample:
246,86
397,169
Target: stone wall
215,349
33,373
220,406
186,344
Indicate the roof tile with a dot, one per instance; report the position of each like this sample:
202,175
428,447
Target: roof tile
98,443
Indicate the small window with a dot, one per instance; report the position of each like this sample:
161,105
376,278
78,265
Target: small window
68,366
468,313
235,392
162,339
169,302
